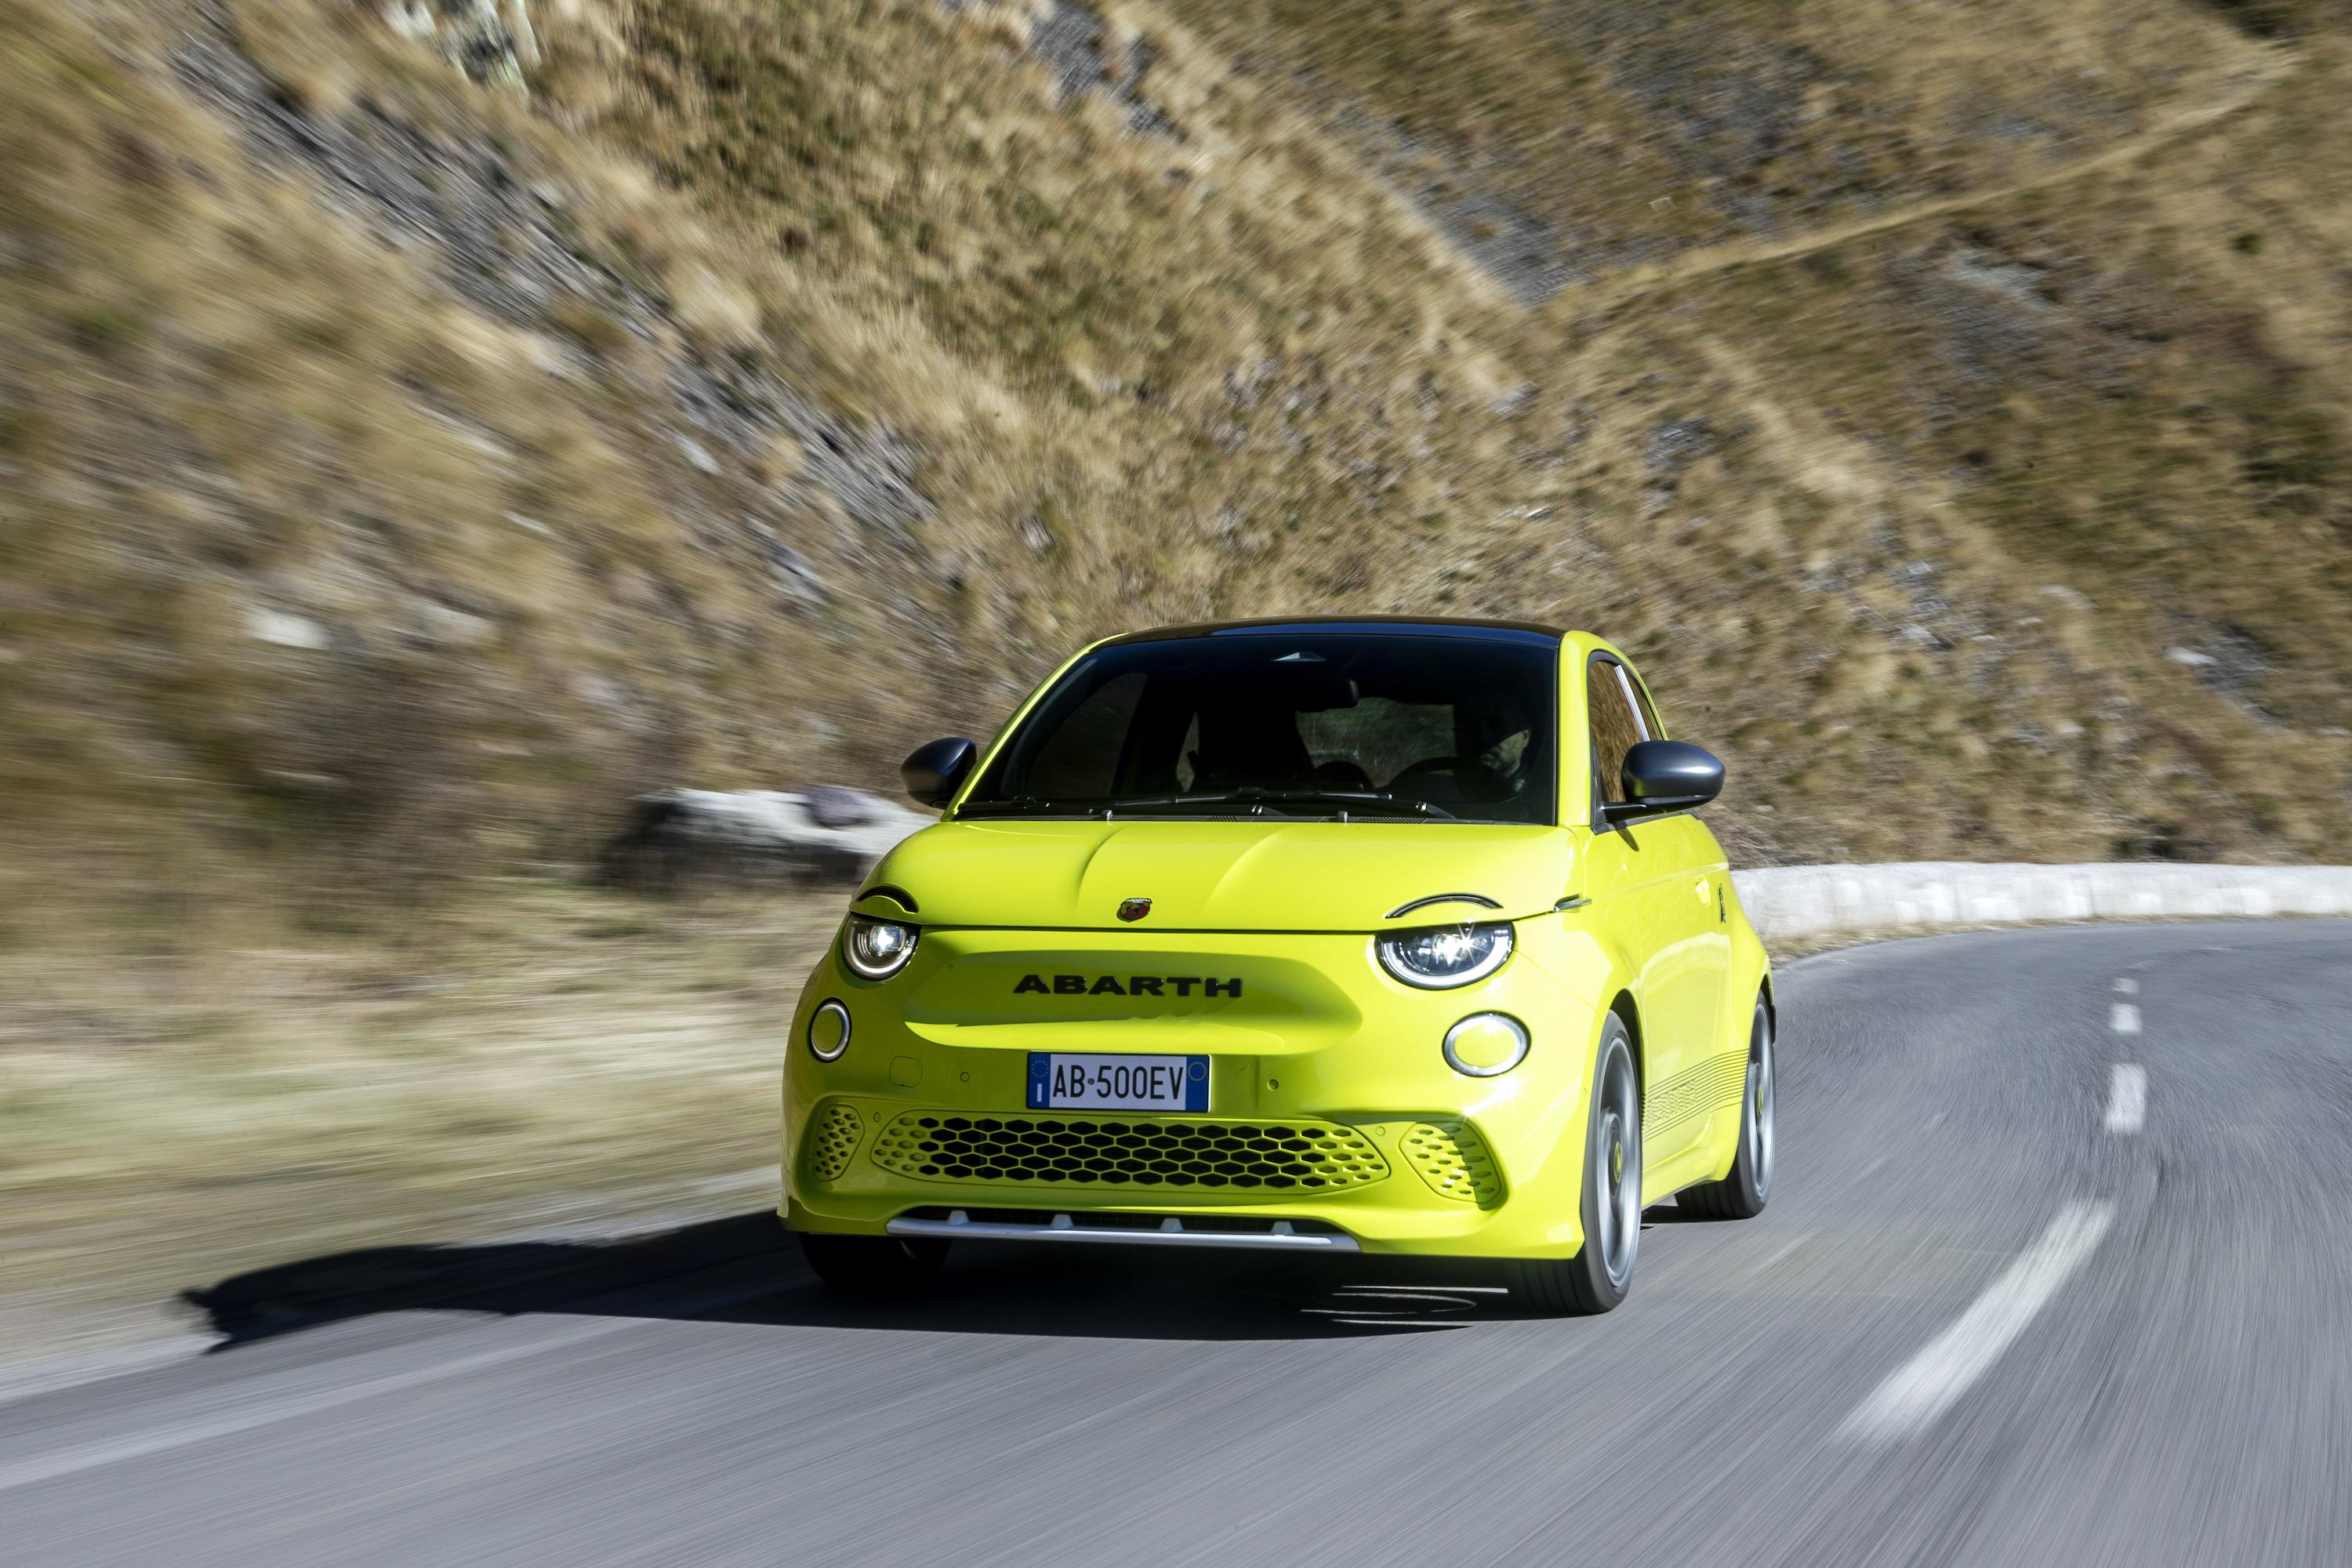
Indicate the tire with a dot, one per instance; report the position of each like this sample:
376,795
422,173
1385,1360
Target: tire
875,1267
1741,1194
1598,1276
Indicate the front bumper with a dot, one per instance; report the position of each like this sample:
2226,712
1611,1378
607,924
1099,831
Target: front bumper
1408,1183
1331,1106
960,1224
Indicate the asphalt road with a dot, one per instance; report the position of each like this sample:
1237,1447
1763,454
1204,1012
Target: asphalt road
2014,1302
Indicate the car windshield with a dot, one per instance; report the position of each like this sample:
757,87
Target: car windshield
1427,728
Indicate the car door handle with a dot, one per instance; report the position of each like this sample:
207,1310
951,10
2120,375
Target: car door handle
1704,887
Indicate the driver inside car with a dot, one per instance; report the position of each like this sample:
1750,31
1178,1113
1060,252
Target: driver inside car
1489,762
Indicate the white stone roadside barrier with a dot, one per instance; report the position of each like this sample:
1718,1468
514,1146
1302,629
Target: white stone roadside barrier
1788,902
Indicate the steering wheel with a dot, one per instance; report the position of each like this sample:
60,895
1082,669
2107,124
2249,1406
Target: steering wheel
1426,765
1340,771
1472,780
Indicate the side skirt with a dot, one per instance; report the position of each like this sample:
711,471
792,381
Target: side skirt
1704,1163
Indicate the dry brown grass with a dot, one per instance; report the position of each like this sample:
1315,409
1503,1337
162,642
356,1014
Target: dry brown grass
1149,379
1955,481
1639,130
166,1122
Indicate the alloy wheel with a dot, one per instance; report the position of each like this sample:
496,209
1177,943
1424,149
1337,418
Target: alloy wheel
1761,1137
1617,1172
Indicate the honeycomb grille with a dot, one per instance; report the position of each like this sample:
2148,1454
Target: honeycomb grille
1453,1161
1154,1154
833,1142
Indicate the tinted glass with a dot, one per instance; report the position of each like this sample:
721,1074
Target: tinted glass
1651,729
1414,727
1615,726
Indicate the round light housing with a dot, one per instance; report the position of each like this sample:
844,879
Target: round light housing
1444,956
1486,1045
878,950
828,1031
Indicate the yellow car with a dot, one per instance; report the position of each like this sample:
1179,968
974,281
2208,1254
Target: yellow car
1321,935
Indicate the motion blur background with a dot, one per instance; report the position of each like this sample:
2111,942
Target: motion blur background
427,424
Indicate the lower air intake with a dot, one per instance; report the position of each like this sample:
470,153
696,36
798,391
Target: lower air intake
1452,1158
832,1143
1159,1154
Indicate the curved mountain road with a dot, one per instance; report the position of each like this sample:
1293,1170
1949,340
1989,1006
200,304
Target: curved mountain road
2058,1269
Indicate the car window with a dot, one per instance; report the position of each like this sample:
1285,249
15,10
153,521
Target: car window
1080,758
1616,725
1186,775
1441,729
1651,729
1376,739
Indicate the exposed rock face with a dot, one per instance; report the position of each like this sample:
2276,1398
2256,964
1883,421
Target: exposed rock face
1073,42
1070,38
491,41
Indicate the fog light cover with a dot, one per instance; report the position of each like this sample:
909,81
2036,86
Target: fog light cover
828,1031
1486,1045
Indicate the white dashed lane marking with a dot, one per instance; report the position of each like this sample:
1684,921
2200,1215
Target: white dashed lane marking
2126,1098
2126,1081
1911,1398
1924,1387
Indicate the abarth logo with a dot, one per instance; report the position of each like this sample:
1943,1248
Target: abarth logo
1134,909
1137,985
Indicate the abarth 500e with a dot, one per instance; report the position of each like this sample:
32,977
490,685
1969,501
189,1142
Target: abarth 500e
1382,936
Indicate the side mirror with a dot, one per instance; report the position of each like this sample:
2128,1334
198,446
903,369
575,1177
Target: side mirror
932,773
1660,776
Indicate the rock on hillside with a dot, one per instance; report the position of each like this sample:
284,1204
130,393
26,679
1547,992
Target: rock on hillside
825,831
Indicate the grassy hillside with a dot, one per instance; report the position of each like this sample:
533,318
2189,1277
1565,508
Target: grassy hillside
415,435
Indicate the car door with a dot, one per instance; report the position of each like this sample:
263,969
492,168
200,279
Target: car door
1669,876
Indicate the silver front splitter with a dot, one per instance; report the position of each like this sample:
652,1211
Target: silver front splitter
1171,1233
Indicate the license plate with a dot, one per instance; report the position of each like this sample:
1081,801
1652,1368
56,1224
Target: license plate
1063,1080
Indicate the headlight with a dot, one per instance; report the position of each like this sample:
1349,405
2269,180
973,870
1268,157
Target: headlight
1446,957
877,948
1486,1045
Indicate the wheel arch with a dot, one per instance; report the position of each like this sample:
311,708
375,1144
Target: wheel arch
1627,1009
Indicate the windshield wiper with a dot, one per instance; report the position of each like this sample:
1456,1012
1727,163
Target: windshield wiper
1248,796
1252,796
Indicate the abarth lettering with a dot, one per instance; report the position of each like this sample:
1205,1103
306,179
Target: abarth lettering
1136,985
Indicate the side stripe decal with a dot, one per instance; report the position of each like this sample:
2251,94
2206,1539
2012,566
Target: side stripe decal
1717,1082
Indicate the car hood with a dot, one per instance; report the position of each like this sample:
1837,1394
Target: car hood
1220,876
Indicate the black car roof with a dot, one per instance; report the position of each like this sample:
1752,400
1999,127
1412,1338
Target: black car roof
1524,632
